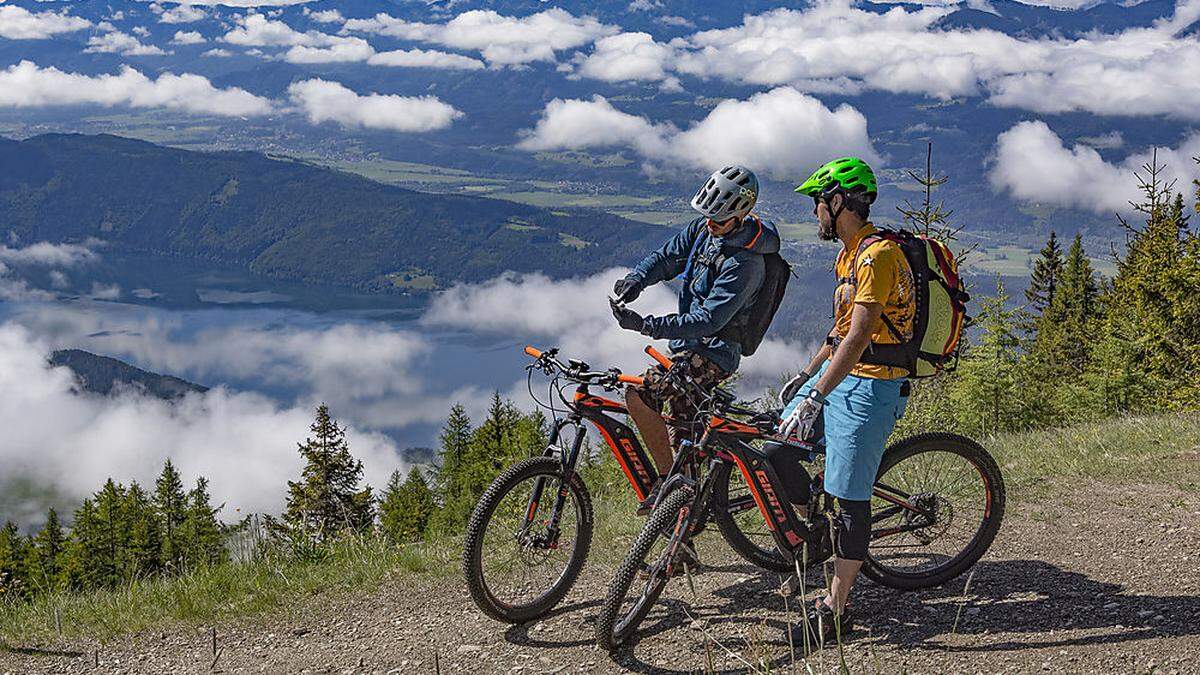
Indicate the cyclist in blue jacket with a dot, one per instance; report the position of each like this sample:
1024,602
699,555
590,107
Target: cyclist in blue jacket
720,257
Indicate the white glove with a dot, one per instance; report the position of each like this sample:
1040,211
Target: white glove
793,385
801,421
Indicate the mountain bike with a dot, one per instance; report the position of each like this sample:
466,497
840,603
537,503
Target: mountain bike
529,535
937,505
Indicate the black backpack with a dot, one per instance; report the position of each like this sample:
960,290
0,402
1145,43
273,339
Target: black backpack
750,326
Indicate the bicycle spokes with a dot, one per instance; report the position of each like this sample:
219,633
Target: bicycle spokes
528,544
926,510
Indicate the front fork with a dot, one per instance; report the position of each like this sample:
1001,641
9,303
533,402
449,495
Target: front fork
568,459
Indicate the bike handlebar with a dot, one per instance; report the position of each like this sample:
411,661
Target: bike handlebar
533,351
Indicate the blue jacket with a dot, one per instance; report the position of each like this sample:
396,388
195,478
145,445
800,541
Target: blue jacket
714,297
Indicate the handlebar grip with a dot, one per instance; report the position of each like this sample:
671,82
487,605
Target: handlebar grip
533,351
630,379
657,356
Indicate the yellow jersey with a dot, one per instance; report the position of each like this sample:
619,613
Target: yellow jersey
882,276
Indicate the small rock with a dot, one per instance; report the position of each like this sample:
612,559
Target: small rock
468,649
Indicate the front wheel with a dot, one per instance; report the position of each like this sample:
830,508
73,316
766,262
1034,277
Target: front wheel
648,566
959,496
517,563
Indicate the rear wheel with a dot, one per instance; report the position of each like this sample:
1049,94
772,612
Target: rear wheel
959,493
741,523
644,574
516,568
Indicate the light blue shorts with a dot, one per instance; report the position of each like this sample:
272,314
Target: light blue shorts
859,416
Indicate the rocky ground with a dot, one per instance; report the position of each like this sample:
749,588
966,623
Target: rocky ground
1094,578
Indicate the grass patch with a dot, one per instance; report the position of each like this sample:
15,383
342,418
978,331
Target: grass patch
224,591
1132,449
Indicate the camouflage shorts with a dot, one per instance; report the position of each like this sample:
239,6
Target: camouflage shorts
670,390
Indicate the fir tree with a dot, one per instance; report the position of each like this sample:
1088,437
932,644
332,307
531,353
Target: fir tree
202,532
170,505
406,508
1149,347
111,537
13,555
144,542
85,551
1047,270
48,550
987,395
327,499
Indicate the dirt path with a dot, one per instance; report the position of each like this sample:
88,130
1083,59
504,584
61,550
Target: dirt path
1099,579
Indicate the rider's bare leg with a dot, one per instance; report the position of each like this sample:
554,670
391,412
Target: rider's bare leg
652,427
844,573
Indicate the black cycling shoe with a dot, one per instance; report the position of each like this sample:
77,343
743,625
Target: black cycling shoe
822,626
647,505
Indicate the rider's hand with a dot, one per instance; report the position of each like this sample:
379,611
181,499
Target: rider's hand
626,290
789,390
627,318
800,422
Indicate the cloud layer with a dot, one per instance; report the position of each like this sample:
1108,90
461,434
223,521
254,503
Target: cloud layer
779,132
501,40
325,101
18,23
27,85
1032,163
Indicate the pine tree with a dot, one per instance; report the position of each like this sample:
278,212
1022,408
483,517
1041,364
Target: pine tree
144,544
202,532
327,500
406,508
46,568
14,582
1047,270
987,395
112,537
170,505
83,562
1149,349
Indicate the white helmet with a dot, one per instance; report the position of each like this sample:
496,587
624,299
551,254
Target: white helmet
728,193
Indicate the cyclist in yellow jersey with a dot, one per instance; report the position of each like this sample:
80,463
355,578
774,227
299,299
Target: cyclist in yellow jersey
858,402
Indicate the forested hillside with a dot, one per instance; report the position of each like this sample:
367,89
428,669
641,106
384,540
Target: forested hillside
290,220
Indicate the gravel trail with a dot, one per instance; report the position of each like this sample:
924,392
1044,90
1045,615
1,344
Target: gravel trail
1096,579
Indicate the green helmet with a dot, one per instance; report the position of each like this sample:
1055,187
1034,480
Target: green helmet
849,173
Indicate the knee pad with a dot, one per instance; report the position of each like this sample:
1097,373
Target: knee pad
852,529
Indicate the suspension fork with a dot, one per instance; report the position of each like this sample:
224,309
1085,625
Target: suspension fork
568,459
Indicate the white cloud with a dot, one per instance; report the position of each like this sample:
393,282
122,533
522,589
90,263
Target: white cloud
244,443
247,4
141,31
345,51
781,132
833,46
18,23
325,16
218,52
573,315
575,124
324,101
626,57
425,58
1033,164
178,14
27,85
501,40
312,46
56,257
188,38
116,42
